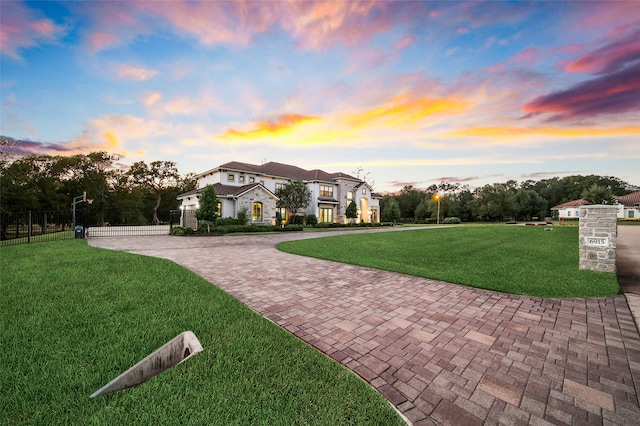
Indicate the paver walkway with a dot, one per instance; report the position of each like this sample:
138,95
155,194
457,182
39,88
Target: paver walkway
441,353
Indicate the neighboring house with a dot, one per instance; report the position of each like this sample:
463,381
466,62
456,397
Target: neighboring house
569,209
628,207
631,203
239,185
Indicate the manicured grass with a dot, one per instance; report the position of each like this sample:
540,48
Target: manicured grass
512,259
74,317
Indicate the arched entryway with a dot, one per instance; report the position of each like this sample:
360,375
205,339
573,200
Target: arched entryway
364,210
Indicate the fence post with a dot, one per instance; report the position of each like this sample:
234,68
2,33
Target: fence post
84,223
29,229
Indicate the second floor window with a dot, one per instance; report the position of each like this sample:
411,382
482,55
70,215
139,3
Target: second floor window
231,177
326,191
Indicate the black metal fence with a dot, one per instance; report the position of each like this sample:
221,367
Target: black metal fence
31,226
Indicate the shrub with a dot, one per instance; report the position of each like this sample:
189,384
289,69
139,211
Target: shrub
206,226
225,221
311,219
296,220
242,216
179,230
452,220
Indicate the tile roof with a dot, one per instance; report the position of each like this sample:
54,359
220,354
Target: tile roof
629,200
226,190
574,203
286,171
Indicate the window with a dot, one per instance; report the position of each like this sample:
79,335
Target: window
364,190
281,212
631,214
326,191
349,196
241,178
569,213
252,179
326,215
231,177
257,212
219,209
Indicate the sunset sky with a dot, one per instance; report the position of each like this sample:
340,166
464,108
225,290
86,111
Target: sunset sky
414,93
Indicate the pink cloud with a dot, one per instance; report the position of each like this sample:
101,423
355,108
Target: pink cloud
404,43
497,67
367,59
461,31
131,72
615,93
453,179
530,57
604,14
22,28
312,24
102,40
609,58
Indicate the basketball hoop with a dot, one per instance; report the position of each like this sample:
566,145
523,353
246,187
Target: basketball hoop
89,200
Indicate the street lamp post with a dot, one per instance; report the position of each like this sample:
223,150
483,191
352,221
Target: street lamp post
437,198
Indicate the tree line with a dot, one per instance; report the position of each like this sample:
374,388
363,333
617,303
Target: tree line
142,193
499,201
149,191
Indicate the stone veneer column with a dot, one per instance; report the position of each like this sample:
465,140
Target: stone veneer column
598,235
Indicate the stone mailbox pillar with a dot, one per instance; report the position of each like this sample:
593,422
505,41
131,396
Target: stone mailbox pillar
598,235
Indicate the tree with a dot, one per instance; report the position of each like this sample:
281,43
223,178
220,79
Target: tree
352,211
157,177
597,194
495,202
208,201
530,204
393,211
408,200
423,210
293,196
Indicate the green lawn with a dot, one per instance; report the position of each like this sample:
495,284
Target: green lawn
74,317
512,259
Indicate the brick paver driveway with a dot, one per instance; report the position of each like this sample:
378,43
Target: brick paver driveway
441,353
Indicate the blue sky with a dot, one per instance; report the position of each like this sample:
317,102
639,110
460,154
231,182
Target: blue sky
414,93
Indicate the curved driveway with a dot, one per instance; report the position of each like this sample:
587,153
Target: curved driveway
441,353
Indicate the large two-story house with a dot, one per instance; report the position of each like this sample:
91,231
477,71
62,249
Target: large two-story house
241,185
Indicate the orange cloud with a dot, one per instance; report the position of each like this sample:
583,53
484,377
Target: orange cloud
404,110
282,125
510,132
